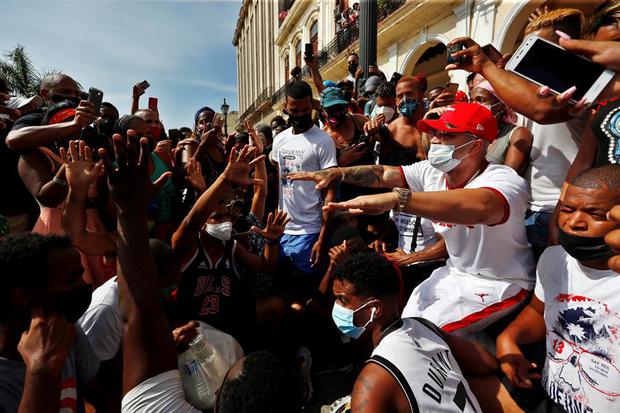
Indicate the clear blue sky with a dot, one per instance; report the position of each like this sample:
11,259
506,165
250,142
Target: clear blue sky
183,48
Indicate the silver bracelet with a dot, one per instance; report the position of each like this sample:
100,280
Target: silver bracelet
59,181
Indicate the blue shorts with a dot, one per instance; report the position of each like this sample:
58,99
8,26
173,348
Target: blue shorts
537,228
298,249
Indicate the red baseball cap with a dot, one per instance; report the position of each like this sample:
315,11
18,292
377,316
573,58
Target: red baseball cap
464,118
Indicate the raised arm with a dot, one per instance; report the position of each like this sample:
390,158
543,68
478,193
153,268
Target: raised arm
148,348
81,173
370,176
237,172
260,173
273,231
31,137
516,92
316,75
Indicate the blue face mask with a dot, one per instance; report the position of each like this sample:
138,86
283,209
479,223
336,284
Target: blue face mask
407,106
343,318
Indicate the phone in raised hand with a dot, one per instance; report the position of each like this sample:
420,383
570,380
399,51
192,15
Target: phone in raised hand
95,96
548,64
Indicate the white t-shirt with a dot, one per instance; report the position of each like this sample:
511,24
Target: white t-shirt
554,148
310,151
421,362
582,317
405,223
498,251
102,322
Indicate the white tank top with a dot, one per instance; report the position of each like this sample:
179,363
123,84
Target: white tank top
421,362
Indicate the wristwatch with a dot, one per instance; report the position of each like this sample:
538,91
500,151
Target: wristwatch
403,194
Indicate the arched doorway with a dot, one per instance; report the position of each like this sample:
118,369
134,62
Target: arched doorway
428,57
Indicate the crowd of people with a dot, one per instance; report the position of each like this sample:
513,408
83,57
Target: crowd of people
453,250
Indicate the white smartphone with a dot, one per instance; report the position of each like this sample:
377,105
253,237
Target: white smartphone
548,64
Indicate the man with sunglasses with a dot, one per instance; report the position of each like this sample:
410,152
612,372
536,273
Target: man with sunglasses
477,207
575,305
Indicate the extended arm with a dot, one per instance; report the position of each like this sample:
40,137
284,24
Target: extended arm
370,176
81,173
237,171
516,92
457,206
32,137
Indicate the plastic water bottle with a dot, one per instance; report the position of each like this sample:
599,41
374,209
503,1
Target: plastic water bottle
197,393
206,355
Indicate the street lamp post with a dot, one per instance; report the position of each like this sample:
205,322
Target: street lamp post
224,109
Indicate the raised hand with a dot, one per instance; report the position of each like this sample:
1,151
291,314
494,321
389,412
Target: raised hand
186,333
84,114
473,56
366,204
275,226
130,184
239,166
338,254
255,140
80,169
537,13
194,175
48,341
138,89
322,178
445,99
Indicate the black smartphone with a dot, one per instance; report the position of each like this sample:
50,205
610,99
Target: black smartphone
95,96
175,136
308,51
453,48
145,84
492,53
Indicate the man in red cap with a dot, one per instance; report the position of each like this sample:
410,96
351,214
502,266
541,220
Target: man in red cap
475,206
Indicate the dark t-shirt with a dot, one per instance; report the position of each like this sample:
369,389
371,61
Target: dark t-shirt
31,119
17,199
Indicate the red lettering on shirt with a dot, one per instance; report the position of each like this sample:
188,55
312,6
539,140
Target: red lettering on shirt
564,298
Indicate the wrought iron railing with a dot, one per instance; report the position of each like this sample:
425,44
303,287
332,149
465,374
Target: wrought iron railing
343,39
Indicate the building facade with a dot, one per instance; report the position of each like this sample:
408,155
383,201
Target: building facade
411,38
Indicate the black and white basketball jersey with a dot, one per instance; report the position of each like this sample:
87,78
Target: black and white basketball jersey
418,358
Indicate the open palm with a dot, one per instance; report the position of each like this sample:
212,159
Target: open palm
240,164
80,169
275,226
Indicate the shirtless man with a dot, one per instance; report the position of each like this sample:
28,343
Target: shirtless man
402,133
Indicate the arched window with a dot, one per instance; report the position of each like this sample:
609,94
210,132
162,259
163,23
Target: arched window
298,53
286,68
314,37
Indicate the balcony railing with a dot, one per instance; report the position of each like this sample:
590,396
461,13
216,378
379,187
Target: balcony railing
343,39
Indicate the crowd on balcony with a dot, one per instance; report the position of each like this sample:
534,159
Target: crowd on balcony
383,245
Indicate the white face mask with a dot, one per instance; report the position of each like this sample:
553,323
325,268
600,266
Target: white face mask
441,156
222,231
386,111
490,107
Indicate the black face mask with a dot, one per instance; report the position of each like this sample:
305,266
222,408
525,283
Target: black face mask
58,99
301,123
71,304
352,68
585,248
